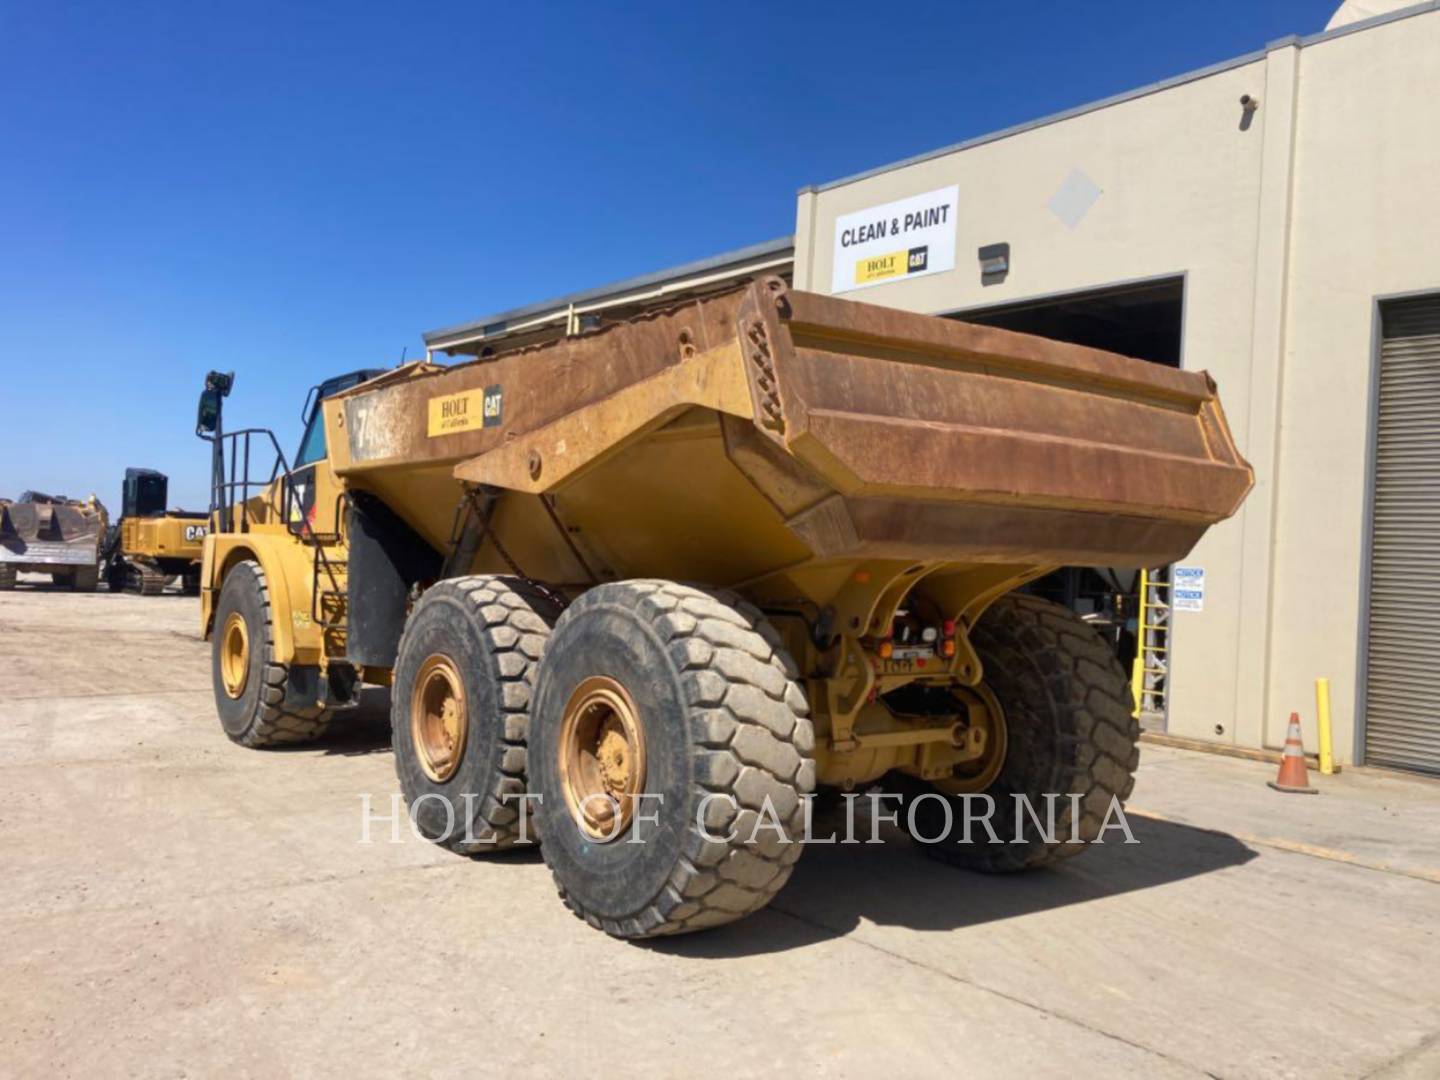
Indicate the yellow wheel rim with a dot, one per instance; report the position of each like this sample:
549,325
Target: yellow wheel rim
976,776
235,654
439,719
602,757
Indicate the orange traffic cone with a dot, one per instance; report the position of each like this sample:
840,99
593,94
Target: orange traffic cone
1294,777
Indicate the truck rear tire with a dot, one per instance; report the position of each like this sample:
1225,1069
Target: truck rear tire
7,577
1070,731
85,579
460,709
249,682
672,751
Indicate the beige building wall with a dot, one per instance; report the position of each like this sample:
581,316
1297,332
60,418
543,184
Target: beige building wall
1365,224
1286,227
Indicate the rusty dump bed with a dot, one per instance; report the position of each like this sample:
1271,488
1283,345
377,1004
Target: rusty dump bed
770,427
43,531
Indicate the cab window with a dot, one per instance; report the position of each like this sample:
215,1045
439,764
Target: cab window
312,446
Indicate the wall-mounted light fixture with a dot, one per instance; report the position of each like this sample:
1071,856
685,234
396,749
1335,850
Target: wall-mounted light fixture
1249,103
994,263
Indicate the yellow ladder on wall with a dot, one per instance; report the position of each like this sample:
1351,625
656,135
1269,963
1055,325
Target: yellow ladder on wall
1150,673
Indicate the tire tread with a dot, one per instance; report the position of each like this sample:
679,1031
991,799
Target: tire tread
273,724
1097,746
514,617
753,741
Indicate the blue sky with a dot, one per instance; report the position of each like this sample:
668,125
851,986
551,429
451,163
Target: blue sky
292,190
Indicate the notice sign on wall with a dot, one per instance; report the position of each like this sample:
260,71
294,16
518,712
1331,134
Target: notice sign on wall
904,239
1187,588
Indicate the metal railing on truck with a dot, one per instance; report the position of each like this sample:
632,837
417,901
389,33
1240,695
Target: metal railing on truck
232,491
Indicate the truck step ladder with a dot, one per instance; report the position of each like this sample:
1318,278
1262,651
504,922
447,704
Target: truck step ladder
1150,675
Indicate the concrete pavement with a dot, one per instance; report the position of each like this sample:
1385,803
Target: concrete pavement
171,904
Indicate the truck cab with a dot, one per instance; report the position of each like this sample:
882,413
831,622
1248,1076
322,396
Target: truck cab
278,524
312,450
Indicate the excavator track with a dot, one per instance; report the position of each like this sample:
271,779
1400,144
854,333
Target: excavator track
139,579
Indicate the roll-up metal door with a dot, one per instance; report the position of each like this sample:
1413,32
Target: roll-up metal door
1402,688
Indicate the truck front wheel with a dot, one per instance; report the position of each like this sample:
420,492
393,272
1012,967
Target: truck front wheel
249,682
671,749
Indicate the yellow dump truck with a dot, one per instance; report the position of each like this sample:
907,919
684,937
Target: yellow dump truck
152,545
641,592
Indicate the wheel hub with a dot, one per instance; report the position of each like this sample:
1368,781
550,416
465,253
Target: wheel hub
439,720
987,732
235,655
602,757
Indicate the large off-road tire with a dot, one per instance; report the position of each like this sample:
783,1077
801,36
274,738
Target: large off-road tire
460,709
1068,719
250,682
7,577
696,720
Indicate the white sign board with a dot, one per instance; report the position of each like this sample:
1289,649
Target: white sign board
905,239
1187,588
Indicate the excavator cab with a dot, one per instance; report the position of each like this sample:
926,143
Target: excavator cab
144,493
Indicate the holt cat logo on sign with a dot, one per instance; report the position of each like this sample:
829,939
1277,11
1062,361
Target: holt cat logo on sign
469,409
895,264
903,239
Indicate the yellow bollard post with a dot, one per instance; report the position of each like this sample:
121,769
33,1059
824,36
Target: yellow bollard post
1322,716
1137,669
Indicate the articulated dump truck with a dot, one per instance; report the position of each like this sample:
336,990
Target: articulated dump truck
639,594
52,534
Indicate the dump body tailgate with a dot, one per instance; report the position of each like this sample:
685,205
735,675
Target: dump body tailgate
889,402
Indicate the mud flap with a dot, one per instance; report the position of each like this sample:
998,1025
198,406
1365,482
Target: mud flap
386,558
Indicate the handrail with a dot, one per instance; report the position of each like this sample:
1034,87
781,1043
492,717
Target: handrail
223,500
223,491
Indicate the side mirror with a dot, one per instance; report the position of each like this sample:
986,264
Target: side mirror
207,417
217,386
